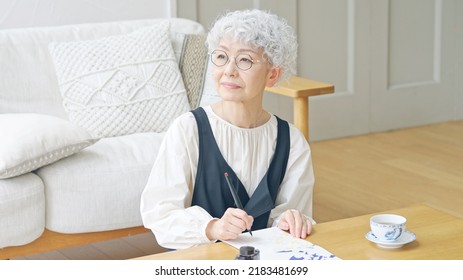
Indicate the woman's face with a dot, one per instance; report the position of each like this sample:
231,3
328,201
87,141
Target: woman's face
235,84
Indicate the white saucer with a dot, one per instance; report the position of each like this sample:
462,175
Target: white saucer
405,238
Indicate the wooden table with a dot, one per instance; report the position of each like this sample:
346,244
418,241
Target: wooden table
439,235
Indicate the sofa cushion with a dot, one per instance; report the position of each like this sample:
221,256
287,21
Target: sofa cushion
191,53
25,51
30,141
100,187
121,84
209,93
22,204
196,69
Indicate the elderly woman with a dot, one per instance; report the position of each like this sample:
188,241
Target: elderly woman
187,200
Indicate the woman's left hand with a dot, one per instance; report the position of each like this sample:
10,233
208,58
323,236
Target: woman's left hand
296,223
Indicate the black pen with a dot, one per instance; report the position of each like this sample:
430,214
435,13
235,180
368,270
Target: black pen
235,195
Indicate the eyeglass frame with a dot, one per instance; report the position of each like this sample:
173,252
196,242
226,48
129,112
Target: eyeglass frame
253,61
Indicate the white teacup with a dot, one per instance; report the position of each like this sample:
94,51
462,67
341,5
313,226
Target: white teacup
387,227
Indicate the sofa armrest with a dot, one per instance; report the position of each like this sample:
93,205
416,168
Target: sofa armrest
300,89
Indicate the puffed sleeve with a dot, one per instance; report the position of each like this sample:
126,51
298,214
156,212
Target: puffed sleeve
296,190
166,200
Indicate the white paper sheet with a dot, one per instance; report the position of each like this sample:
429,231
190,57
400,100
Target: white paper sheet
276,244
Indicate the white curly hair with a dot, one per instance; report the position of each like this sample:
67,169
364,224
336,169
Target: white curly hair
259,29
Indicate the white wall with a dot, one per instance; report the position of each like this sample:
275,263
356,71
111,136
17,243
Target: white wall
394,63
459,59
29,13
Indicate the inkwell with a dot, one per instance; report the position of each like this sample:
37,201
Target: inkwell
248,253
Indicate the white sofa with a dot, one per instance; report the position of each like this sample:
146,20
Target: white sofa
96,189
70,175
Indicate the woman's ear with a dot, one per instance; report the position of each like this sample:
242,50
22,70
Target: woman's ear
273,76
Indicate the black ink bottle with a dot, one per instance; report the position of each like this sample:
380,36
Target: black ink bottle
248,253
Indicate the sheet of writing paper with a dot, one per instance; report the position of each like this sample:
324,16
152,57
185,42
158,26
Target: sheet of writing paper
276,244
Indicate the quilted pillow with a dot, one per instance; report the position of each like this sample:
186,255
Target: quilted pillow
121,84
209,94
192,57
30,141
196,69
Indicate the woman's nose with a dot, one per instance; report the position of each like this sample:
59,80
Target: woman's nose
230,67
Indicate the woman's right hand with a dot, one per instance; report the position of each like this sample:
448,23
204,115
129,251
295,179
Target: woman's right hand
233,222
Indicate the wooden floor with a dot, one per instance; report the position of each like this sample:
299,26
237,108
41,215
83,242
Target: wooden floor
383,171
354,176
117,249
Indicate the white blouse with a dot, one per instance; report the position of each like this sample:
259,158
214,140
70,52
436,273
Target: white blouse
166,201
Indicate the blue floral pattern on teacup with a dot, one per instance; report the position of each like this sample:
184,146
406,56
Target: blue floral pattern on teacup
393,234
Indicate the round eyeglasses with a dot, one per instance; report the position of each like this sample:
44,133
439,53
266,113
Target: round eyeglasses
242,61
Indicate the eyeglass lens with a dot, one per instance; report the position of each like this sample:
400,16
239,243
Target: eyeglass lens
242,61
